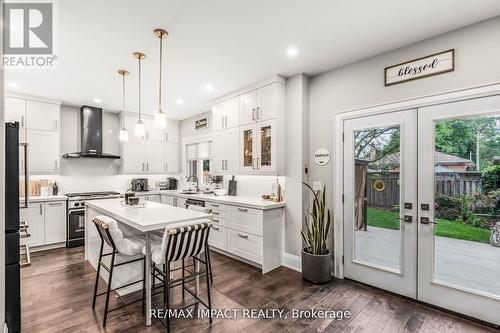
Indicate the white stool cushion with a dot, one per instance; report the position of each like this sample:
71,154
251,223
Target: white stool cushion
128,246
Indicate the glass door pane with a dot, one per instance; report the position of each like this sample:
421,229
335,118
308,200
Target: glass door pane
467,203
265,146
248,147
377,196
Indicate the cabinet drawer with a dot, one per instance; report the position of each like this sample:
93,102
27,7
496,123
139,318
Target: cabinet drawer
220,221
216,207
218,237
245,245
219,214
246,220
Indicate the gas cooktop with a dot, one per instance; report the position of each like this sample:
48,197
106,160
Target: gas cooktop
91,194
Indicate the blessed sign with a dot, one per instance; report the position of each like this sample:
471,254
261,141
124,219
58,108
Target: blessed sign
434,64
201,123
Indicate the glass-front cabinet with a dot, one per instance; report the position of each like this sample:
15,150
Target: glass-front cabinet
258,147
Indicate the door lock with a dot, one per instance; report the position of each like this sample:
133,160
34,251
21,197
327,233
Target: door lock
408,218
426,220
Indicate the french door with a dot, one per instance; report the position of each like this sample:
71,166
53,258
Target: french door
416,214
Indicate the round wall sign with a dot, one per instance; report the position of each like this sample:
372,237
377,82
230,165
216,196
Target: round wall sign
322,156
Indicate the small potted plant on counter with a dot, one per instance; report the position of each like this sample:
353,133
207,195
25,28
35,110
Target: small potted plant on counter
316,258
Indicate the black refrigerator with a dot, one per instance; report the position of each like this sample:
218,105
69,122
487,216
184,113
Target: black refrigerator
12,265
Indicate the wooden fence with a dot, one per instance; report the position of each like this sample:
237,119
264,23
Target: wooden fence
451,184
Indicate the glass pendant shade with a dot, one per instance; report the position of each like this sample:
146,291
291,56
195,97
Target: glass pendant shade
123,135
139,129
160,119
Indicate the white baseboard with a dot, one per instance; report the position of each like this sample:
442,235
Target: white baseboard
292,261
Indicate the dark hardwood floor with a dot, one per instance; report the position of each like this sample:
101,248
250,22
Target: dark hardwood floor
57,296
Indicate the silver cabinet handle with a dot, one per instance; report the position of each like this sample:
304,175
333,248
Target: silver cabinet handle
22,121
243,236
226,120
257,112
215,220
55,203
55,124
166,136
222,122
166,166
257,163
215,213
147,135
222,164
147,166
143,166
214,205
226,164
41,209
253,163
215,228
55,165
243,209
253,114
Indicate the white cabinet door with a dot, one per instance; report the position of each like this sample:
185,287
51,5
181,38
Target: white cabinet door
218,113
270,100
219,142
15,110
248,146
248,106
167,200
133,157
154,157
180,202
232,112
33,216
55,222
218,237
110,131
43,151
171,157
232,163
42,116
152,133
266,145
172,133
153,197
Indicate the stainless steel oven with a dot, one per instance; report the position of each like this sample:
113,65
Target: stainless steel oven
75,219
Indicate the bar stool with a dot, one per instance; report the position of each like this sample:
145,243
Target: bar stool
184,242
124,250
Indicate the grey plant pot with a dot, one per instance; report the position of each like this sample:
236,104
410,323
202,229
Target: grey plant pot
316,268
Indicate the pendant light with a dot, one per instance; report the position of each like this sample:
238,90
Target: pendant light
123,135
139,129
160,117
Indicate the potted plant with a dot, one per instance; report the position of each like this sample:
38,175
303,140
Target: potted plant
316,259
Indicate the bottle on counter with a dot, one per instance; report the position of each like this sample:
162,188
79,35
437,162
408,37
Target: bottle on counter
55,188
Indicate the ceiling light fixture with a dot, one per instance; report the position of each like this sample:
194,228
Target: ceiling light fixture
160,116
292,51
179,101
139,129
209,87
123,135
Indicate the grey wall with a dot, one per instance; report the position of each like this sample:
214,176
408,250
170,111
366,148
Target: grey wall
361,84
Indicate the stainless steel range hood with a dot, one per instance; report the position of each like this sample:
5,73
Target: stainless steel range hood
90,135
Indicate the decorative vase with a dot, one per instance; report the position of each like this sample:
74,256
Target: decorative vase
316,268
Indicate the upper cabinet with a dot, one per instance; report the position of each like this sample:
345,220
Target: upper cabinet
262,104
170,134
42,116
226,114
256,146
39,122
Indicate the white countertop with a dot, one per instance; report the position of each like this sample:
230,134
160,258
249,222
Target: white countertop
250,202
152,217
45,198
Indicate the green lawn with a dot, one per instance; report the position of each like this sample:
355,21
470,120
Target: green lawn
452,229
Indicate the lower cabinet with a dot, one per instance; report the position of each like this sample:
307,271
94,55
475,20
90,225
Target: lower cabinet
167,200
245,245
46,223
153,197
218,237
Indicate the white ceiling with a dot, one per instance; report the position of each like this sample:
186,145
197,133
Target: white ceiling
225,43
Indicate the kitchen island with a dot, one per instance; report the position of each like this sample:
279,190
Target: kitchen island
132,220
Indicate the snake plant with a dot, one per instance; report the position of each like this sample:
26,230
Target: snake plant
316,228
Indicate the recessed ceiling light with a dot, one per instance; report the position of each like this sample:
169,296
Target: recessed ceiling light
13,85
292,51
97,100
179,101
209,87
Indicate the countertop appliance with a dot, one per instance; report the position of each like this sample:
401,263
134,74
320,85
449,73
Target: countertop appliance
171,183
90,135
195,202
12,225
140,184
75,214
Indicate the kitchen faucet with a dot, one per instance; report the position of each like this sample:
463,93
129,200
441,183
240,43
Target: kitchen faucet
196,179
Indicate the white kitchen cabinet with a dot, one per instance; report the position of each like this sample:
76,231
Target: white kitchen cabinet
42,116
43,151
180,202
154,157
218,237
248,107
33,216
153,197
167,200
172,133
225,151
133,157
152,133
226,114
258,147
245,245
171,157
55,222
15,110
